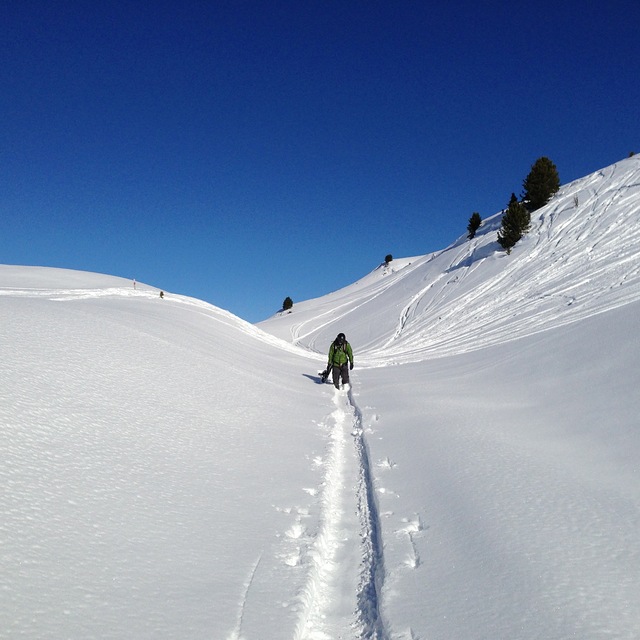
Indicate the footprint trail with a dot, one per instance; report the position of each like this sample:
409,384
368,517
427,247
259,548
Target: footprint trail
341,594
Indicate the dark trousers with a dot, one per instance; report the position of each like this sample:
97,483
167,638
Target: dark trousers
340,371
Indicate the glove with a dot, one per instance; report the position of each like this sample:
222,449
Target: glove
351,367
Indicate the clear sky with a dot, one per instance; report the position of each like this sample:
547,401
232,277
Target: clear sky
245,151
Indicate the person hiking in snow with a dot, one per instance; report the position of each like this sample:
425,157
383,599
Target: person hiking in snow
340,361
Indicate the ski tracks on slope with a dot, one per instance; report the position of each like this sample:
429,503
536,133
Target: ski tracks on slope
236,633
341,597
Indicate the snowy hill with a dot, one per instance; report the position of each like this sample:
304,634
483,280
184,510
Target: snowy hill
583,248
171,471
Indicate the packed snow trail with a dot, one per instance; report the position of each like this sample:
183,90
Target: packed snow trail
372,570
341,596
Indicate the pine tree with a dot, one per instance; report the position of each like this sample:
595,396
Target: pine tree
541,183
474,224
516,221
287,304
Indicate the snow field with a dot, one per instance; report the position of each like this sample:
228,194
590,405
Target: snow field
133,500
170,471
522,514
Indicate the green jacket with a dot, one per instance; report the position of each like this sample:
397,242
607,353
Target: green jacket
340,355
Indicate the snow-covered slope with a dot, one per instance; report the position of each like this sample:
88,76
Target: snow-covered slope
150,460
580,258
168,470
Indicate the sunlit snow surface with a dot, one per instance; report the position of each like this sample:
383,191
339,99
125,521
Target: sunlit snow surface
170,471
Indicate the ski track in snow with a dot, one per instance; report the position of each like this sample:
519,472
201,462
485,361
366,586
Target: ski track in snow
372,575
341,596
236,634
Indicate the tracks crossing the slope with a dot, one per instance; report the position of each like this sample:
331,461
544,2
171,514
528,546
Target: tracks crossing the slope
342,592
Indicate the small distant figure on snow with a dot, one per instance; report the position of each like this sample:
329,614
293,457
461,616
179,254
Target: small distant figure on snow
162,294
340,361
134,283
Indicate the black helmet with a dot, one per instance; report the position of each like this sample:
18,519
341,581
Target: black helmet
341,338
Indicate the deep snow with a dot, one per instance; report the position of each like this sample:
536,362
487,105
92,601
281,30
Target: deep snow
170,471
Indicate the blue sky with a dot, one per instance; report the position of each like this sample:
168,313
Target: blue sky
242,151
